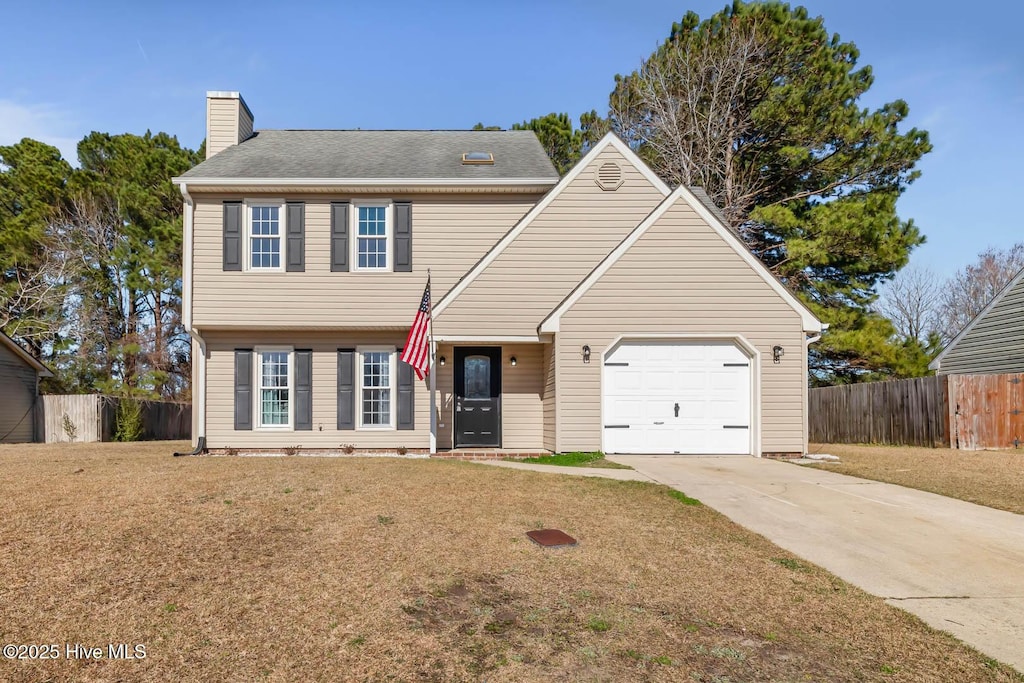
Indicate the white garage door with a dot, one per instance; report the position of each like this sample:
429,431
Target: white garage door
677,397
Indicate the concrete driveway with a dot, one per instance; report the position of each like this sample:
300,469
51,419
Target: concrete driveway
956,565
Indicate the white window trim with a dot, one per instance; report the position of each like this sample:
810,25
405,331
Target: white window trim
389,230
392,381
258,393
250,204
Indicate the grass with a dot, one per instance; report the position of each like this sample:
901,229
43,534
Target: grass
574,460
121,543
991,478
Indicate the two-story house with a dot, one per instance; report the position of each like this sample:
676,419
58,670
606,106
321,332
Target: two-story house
598,311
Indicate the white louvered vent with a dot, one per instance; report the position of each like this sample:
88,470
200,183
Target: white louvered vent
609,176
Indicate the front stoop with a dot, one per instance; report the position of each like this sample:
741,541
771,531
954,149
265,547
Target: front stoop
783,456
488,454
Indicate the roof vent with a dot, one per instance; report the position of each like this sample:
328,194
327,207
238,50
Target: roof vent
609,176
478,158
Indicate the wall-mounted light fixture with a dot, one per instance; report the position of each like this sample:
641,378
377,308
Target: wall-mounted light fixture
586,353
442,360
512,361
777,353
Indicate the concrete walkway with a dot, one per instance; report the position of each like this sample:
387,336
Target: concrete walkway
956,565
601,472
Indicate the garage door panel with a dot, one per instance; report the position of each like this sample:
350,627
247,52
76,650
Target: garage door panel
710,383
661,381
659,354
625,380
625,410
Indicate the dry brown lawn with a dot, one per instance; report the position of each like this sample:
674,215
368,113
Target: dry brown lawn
992,478
324,569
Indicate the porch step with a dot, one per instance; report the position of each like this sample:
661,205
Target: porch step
487,454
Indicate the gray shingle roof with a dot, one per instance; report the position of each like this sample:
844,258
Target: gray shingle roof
710,205
412,154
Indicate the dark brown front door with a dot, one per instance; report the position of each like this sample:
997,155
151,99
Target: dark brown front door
477,396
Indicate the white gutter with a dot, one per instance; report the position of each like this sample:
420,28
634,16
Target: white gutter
199,385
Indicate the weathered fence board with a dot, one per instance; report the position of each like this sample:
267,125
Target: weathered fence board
906,412
986,411
969,412
91,417
71,418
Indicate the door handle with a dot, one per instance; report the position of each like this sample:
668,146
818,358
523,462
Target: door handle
659,423
677,410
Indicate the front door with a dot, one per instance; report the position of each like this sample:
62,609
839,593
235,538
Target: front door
478,396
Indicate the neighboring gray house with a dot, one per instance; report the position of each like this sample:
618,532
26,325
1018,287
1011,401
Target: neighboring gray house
19,388
992,343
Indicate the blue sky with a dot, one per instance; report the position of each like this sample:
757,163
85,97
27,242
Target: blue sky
127,66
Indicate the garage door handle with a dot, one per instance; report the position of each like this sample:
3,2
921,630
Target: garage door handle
677,410
659,423
735,427
616,426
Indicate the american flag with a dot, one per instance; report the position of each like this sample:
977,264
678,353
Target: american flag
417,344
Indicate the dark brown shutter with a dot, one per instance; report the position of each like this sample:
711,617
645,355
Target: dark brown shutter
296,237
232,235
303,389
346,389
403,237
243,389
406,394
339,236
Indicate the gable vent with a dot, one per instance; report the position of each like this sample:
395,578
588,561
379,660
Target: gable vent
609,176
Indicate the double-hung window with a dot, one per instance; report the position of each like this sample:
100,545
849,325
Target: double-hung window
274,388
373,233
376,388
265,223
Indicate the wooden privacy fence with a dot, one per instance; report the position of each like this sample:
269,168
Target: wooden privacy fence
986,411
905,412
92,417
955,411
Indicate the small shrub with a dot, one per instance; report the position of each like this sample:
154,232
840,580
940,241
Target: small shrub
129,420
70,428
292,450
348,449
402,450
230,451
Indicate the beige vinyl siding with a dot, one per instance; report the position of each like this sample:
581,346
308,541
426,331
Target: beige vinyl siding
221,400
995,344
681,278
222,116
522,388
553,254
17,399
548,397
244,125
450,233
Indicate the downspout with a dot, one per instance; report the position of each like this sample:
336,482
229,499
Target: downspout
807,350
199,386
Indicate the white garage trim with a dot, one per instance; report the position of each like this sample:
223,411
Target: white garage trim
739,340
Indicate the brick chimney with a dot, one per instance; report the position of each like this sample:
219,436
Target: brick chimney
228,120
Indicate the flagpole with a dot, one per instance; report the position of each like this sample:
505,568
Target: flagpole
432,374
